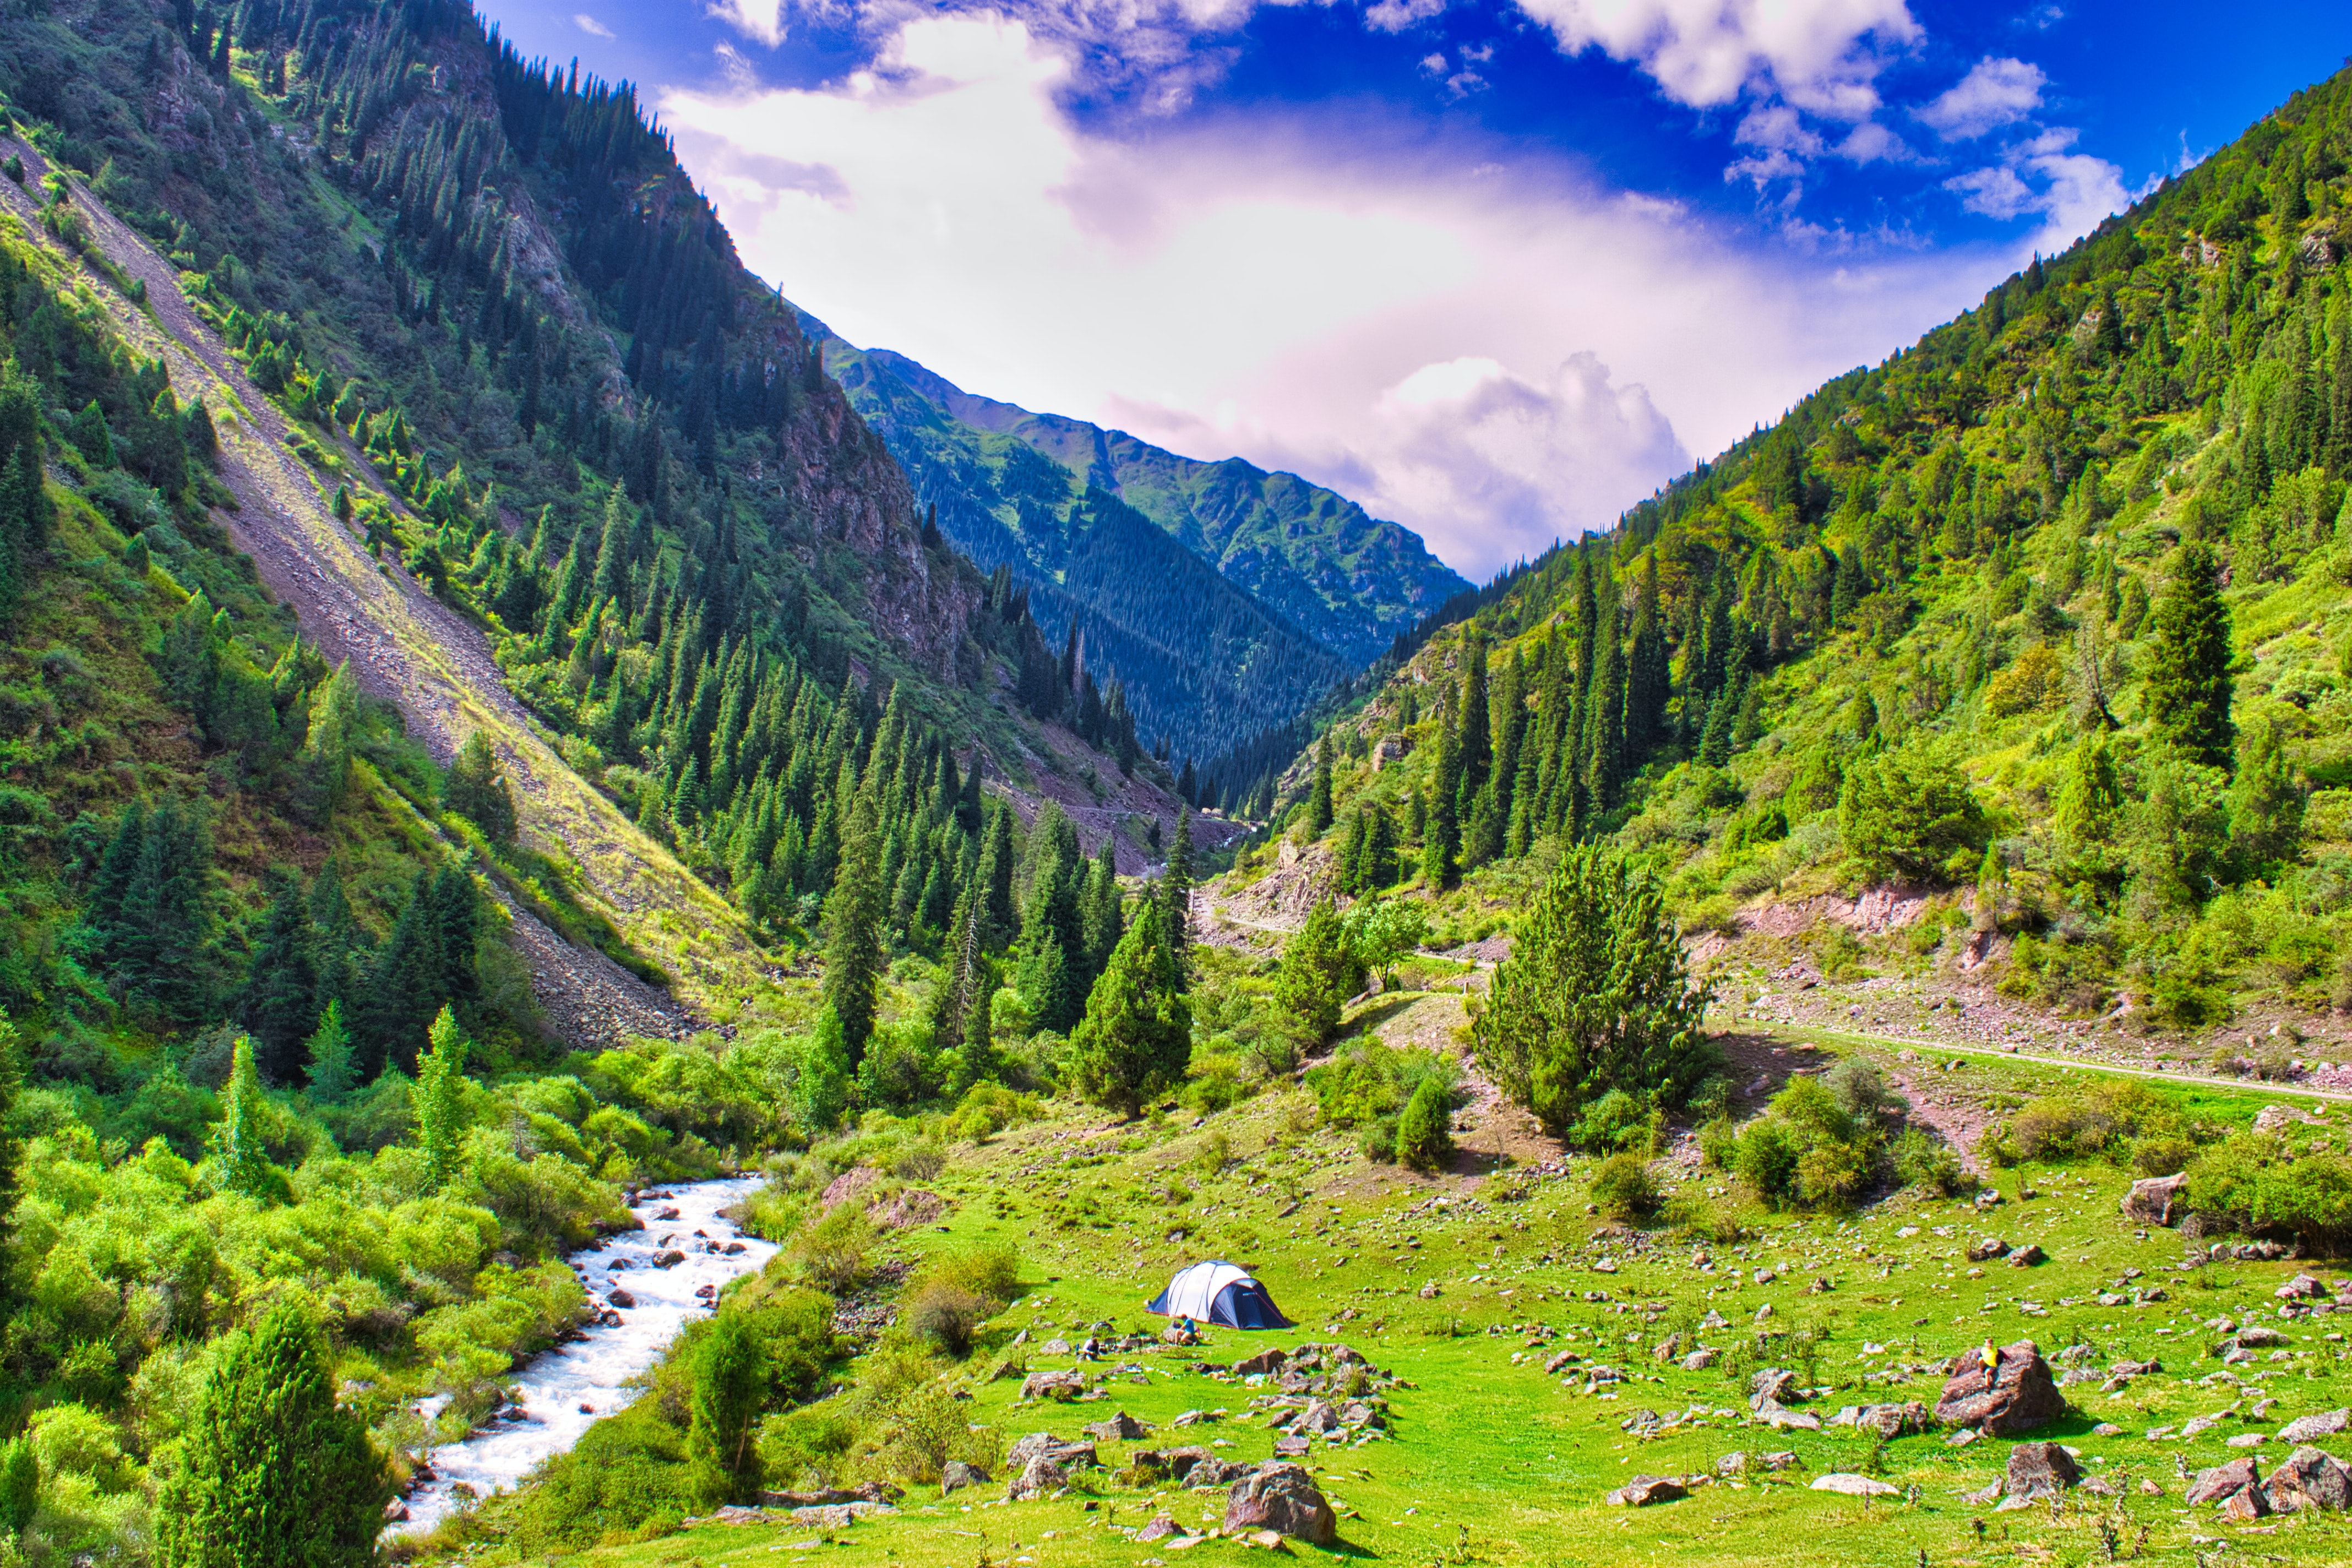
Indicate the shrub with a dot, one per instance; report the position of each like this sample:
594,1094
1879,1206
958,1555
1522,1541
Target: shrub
1861,1089
946,1315
1767,1160
833,1252
1923,1160
2258,1181
1624,1189
1909,813
918,1162
1619,1124
1424,1137
993,1273
2161,1156
1718,1144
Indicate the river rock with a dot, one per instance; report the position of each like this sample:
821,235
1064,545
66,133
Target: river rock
620,1297
1281,1497
2015,1395
2156,1200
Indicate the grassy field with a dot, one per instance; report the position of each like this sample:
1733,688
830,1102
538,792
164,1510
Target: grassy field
1489,1459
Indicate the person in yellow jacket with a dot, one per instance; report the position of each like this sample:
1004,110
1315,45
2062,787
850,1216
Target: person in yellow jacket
1989,1356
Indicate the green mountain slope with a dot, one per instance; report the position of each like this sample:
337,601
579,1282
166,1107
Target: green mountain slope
2053,605
1313,586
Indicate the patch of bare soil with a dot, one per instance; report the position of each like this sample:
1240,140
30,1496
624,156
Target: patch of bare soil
410,650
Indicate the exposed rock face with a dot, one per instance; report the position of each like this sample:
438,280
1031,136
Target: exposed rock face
2223,1482
1040,1477
1283,1498
2304,1428
2156,1201
955,1475
2040,1470
2015,1394
1121,1428
1061,1386
2309,1478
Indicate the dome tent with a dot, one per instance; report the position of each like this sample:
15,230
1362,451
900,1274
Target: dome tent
1218,1292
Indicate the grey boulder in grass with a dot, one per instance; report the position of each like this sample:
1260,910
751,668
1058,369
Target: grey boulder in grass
2015,1394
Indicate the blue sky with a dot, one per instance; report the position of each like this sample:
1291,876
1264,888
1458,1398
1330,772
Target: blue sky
1495,269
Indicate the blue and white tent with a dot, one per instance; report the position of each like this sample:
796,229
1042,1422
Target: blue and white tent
1218,1292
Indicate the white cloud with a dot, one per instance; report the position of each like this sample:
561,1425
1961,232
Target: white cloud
1396,16
1821,55
590,26
1995,93
1421,324
2077,192
760,19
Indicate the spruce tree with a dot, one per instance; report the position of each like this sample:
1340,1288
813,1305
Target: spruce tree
1136,1039
1317,975
2189,687
235,1160
281,1003
326,754
1474,736
1175,901
1441,842
12,1156
1001,919
476,789
272,1473
328,1051
1605,712
853,953
439,1097
1100,914
403,985
1319,799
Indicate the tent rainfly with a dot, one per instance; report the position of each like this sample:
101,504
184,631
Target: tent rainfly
1218,1292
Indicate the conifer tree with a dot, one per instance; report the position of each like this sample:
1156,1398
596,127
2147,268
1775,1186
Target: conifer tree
235,1160
439,1097
1100,914
1136,1039
1175,901
2189,687
1317,975
1441,842
731,1385
1648,678
272,1473
403,984
331,1064
1001,919
1605,714
1474,735
476,789
853,955
281,1003
1318,800
12,1156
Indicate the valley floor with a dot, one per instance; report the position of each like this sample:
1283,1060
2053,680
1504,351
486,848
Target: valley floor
1466,1284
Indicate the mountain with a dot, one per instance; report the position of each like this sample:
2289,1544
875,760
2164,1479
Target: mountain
1307,586
2046,617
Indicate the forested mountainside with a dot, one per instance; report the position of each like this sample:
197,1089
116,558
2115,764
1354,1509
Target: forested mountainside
2056,604
1305,587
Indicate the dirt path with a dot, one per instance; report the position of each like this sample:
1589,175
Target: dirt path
411,650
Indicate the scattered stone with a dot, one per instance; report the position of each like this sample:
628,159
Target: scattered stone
1121,1428
1700,1360
1040,1477
955,1475
1160,1528
2016,1394
1642,1491
2302,1286
2222,1482
2304,1428
2107,1429
2040,1470
669,1259
1846,1483
1773,1385
1733,1464
1986,1248
1270,1360
1281,1497
620,1297
2025,1256
1783,1460
1060,1385
2156,1201
2309,1478
1563,1358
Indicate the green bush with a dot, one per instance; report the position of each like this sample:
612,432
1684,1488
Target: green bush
944,1314
1923,1160
833,1252
1424,1137
1624,1189
1909,813
2259,1183
1617,1123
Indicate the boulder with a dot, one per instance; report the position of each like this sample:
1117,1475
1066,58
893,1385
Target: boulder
1642,1491
2156,1201
2222,1482
1044,1445
1850,1485
670,1258
2040,1470
1059,1385
2304,1428
2309,1478
1121,1428
955,1475
1698,1360
1267,1360
1781,1418
2014,1396
2302,1286
1283,1498
1210,1474
1986,1247
2024,1257
1894,1420
1160,1528
1559,1361
620,1297
1158,1463
1318,1417
1733,1464
1039,1477
1773,1385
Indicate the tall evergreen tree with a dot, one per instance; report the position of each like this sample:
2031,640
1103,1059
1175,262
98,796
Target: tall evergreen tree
281,1003
1440,839
854,954
1175,900
1604,719
1319,799
2189,687
476,789
1135,1041
236,1159
439,1097
272,1472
